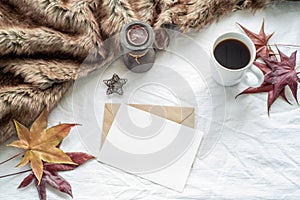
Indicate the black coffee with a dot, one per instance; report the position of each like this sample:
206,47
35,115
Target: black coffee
232,54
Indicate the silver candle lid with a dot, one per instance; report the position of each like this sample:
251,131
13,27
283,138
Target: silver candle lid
137,36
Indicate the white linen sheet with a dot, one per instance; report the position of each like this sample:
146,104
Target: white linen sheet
245,154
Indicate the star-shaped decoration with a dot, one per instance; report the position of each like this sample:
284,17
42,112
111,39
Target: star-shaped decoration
115,85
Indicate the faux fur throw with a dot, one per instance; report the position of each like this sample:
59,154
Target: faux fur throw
43,43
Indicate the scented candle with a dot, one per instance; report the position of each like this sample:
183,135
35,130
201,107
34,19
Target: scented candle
137,46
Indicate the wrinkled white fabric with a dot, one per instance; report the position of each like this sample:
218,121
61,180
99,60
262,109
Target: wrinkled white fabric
245,154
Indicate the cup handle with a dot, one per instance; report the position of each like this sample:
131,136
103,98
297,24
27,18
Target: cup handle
254,77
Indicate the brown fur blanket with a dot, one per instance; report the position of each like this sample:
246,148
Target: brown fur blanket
43,43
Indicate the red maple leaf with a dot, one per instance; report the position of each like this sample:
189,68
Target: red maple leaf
260,41
52,178
278,75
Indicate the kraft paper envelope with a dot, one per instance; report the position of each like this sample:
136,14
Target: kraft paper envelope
181,115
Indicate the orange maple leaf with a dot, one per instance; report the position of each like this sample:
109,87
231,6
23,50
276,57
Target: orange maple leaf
40,144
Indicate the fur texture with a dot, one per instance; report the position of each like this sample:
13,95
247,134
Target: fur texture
47,44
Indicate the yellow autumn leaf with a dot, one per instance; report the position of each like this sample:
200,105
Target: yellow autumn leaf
40,143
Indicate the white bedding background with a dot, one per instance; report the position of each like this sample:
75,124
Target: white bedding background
245,153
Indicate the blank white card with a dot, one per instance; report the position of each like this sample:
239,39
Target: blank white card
151,147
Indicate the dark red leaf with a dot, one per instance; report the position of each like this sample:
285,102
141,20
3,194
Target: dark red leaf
77,157
294,86
278,75
59,167
286,62
282,94
260,41
41,189
262,66
57,182
263,88
289,61
51,177
27,180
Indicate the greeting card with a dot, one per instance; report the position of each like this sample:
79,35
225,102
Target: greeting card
151,147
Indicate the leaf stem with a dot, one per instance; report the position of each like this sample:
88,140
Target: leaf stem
13,174
286,45
12,157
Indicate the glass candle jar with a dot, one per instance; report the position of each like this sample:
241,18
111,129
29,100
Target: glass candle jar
136,40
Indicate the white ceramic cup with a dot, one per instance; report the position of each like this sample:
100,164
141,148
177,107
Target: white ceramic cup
250,74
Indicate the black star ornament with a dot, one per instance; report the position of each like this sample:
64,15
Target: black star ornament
115,85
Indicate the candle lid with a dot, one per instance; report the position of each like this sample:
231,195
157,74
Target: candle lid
137,36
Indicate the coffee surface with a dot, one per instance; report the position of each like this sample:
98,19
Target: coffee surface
232,54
